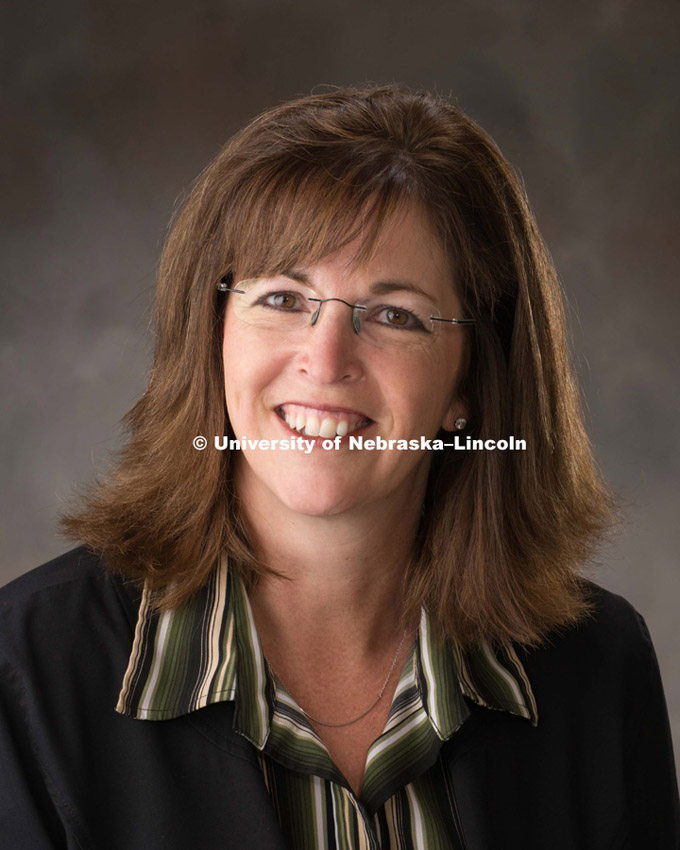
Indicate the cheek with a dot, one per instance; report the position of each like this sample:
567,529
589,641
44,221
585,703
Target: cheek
251,367
240,372
243,383
423,390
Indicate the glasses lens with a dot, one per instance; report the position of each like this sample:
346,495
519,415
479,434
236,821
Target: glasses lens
265,302
402,319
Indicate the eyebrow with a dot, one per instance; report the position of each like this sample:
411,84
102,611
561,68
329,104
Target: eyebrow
379,287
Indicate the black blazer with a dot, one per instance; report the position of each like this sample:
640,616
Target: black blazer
596,774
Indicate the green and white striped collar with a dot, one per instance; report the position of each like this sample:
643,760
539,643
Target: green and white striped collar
208,650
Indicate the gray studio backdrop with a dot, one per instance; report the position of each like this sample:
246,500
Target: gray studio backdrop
112,109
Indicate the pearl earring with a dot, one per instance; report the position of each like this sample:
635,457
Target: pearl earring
460,424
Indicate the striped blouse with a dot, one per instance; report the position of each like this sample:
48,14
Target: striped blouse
208,650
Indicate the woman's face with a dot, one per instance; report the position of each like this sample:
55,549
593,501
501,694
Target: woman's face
327,376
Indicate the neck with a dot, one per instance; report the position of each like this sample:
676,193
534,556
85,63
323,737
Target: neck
342,576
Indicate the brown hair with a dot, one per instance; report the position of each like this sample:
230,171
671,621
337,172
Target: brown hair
504,534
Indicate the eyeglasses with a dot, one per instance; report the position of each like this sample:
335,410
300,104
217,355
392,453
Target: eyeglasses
403,319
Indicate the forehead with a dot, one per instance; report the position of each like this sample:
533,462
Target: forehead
406,249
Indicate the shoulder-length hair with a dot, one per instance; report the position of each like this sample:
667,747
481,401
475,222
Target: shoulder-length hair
505,535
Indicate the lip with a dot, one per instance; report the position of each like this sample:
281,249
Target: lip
326,408
319,440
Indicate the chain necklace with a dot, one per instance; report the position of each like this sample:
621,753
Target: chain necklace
363,713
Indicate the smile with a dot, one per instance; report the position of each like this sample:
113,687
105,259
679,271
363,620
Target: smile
313,422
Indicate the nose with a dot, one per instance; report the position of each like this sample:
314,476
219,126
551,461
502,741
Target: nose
330,347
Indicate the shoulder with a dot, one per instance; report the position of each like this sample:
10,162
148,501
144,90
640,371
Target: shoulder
615,628
75,579
64,611
77,566
607,659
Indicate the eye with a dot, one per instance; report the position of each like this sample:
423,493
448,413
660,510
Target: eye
285,302
400,318
397,317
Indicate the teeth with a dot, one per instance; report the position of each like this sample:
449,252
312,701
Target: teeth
313,426
328,428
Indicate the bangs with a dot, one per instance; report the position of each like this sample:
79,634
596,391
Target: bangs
291,217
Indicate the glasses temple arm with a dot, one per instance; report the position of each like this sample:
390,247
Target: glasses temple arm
453,321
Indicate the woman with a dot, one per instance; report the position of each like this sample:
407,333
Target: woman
340,623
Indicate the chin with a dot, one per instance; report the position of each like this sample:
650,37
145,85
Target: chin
307,489
324,499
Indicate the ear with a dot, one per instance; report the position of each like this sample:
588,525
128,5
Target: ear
457,410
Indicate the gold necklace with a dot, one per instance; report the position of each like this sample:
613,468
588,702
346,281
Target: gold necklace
363,713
